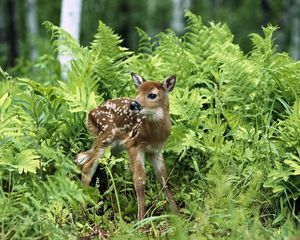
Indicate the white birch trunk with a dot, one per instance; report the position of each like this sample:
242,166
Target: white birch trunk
186,4
177,23
32,27
70,22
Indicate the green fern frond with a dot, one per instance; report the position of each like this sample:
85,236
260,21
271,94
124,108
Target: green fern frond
63,42
145,45
186,104
107,43
263,47
109,59
203,41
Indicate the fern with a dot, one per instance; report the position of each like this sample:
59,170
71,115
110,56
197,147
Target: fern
233,150
63,42
185,109
145,46
109,59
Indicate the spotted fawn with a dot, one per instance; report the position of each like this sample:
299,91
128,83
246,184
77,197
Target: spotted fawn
141,126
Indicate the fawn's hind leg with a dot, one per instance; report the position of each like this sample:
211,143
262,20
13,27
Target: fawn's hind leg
89,168
89,159
83,157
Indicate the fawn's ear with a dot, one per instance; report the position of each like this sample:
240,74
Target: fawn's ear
138,80
169,83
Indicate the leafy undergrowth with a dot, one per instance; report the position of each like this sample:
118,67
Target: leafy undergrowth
233,156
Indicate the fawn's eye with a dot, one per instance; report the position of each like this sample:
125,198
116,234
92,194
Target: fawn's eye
152,96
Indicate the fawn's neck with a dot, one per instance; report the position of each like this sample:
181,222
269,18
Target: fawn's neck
155,130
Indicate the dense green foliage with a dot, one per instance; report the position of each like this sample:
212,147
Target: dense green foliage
233,156
242,16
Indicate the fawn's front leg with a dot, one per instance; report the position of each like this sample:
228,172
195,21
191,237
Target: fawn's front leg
162,175
137,159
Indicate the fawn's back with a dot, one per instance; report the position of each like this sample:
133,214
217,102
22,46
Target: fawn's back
113,121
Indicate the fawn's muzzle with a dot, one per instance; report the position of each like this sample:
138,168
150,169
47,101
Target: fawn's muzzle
135,106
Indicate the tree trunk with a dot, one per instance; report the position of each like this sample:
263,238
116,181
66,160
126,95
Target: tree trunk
125,27
3,49
70,22
266,7
177,23
288,34
282,34
151,10
11,36
32,28
295,34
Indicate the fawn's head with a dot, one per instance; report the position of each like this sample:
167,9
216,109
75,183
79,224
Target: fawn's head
152,100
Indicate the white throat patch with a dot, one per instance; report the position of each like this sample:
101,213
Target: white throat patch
155,114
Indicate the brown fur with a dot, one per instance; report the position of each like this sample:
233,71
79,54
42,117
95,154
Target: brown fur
143,134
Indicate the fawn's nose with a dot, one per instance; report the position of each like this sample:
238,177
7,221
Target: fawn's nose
135,106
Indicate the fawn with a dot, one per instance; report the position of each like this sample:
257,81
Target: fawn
141,126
